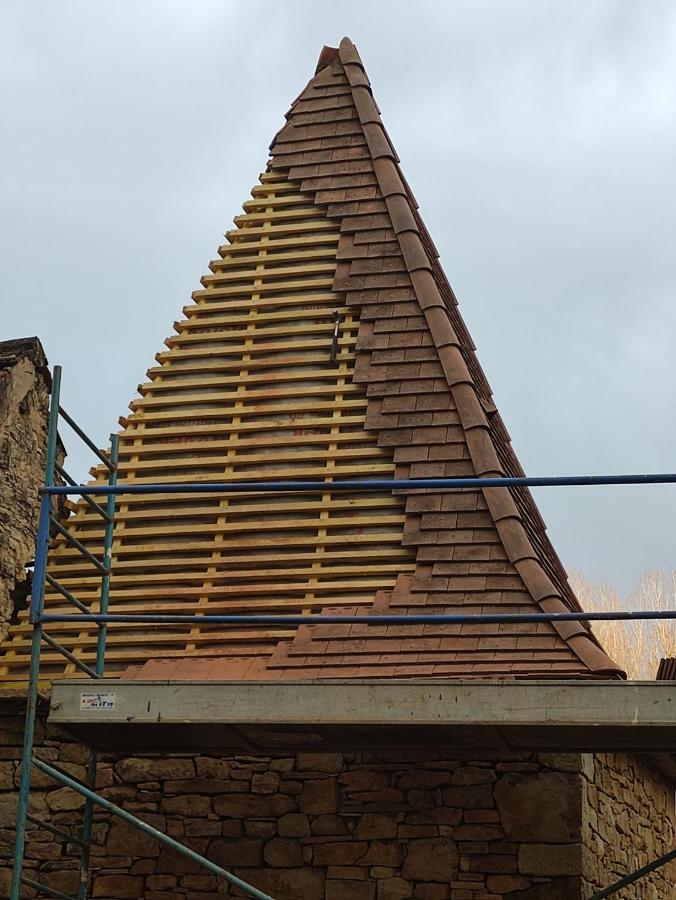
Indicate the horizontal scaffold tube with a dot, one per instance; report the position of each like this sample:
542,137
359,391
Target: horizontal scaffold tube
66,780
358,485
323,619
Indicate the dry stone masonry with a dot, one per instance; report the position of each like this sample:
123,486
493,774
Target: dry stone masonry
628,820
360,826
25,384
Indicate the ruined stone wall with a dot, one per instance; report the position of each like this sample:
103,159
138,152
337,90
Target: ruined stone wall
24,407
627,821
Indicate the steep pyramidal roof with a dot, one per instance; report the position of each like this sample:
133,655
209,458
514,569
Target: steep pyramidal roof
255,386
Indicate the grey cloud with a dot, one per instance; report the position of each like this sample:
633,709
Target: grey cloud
539,138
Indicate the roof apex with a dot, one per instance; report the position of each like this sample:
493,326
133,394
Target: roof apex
345,52
326,57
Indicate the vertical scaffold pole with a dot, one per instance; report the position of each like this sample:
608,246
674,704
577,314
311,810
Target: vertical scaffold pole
37,596
104,593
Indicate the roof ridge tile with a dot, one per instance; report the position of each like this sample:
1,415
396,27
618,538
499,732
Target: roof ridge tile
460,368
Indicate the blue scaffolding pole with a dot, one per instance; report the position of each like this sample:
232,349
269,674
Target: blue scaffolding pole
49,524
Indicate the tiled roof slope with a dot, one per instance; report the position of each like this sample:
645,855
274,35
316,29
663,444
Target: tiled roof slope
252,387
429,400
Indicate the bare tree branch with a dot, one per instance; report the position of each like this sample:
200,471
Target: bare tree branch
637,646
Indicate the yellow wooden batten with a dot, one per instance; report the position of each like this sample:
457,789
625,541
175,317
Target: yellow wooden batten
247,389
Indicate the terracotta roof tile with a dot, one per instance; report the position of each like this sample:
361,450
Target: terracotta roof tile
667,669
453,526
429,410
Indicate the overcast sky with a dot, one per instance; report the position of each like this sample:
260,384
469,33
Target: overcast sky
538,136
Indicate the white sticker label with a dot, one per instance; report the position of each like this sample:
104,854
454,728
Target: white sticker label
97,700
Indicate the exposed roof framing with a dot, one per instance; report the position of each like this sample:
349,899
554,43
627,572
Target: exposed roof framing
248,388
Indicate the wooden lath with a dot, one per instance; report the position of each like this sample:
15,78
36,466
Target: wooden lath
246,389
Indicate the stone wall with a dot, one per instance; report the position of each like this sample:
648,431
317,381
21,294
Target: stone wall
628,821
312,826
25,384
349,826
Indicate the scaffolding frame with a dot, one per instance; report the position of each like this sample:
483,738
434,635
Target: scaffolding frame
49,524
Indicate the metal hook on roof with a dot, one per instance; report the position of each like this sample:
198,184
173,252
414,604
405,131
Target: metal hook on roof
334,342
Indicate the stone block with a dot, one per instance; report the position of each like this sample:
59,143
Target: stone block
265,783
417,831
7,775
202,786
558,889
125,840
382,872
431,859
473,775
293,825
138,769
329,825
5,881
248,806
262,829
354,873
104,776
378,799
394,889
503,884
472,847
432,892
319,797
209,767
64,799
245,851
306,883
544,806
202,827
48,850
199,882
563,762
356,780
330,763
64,880
187,805
122,887
475,796
290,787
338,889
383,853
171,862
162,882
502,863
340,853
8,810
481,815
441,815
373,825
550,859
422,779
478,833
283,852
421,799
